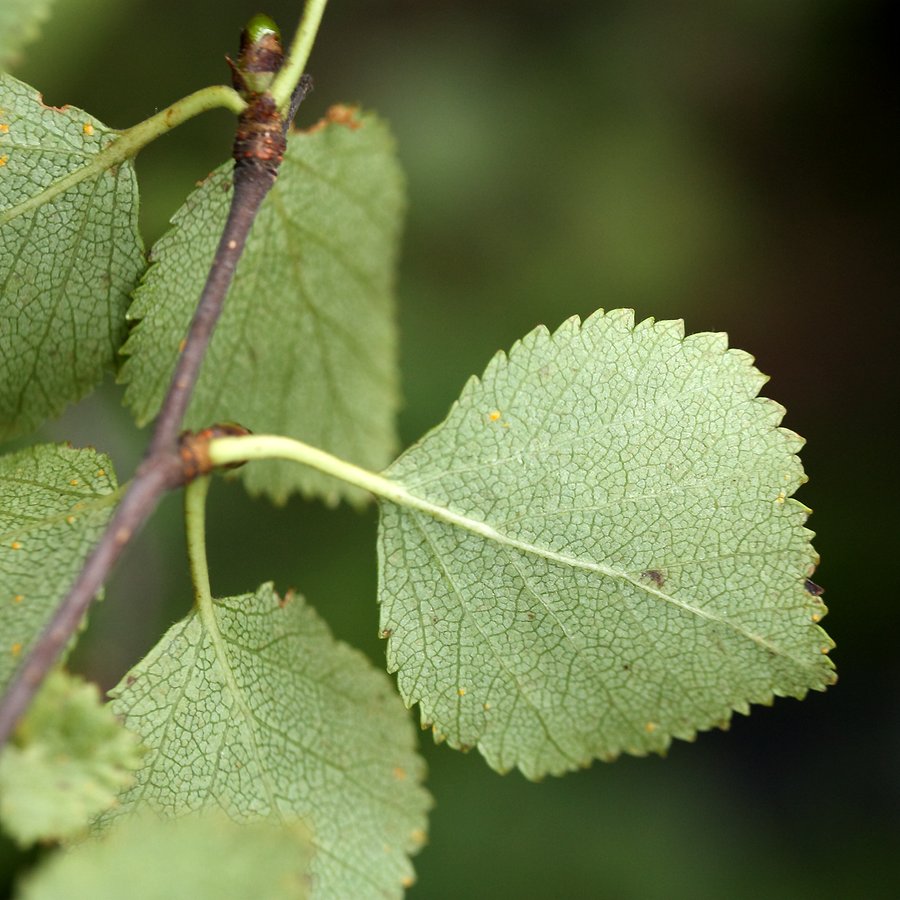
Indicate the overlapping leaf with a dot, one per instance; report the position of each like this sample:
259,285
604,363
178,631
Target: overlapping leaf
197,857
612,558
305,346
19,23
261,713
54,504
69,758
68,259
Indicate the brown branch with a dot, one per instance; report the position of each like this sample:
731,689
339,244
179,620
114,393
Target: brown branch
258,150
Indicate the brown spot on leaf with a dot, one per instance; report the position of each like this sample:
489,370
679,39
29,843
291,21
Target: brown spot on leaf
387,632
339,114
655,576
40,100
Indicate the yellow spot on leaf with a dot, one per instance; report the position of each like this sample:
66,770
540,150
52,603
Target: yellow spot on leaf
417,836
182,344
650,727
781,497
407,881
18,598
16,545
70,520
816,617
101,473
461,692
74,482
16,649
87,128
494,414
485,706
4,128
399,773
826,650
3,160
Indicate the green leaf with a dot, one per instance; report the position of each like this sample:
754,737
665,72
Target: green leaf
612,559
69,758
68,258
54,504
306,344
197,857
20,22
259,712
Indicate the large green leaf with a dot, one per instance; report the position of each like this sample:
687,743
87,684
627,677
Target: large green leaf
305,346
68,759
54,504
261,713
611,558
197,857
20,22
68,259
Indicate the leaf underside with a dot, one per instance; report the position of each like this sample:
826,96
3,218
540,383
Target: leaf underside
68,759
264,715
201,858
54,504
67,265
631,568
305,346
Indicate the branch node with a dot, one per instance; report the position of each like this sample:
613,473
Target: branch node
193,449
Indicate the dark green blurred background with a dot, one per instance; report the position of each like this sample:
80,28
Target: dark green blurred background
732,163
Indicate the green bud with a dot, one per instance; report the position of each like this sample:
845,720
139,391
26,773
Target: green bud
259,26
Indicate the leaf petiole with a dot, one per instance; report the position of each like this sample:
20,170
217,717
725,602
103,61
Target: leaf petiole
131,140
195,495
289,75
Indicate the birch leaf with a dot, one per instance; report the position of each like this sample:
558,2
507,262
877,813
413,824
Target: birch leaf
54,504
203,858
69,256
257,711
607,555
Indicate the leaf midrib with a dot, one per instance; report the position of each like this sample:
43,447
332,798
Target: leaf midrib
487,532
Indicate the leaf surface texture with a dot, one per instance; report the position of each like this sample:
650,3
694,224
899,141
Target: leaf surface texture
263,715
68,261
68,760
54,504
614,558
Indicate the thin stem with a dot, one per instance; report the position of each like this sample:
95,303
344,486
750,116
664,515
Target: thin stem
163,467
195,529
247,197
227,450
286,80
130,141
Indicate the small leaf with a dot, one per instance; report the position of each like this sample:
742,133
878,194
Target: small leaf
306,344
197,857
20,22
67,260
611,560
261,713
54,504
69,758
